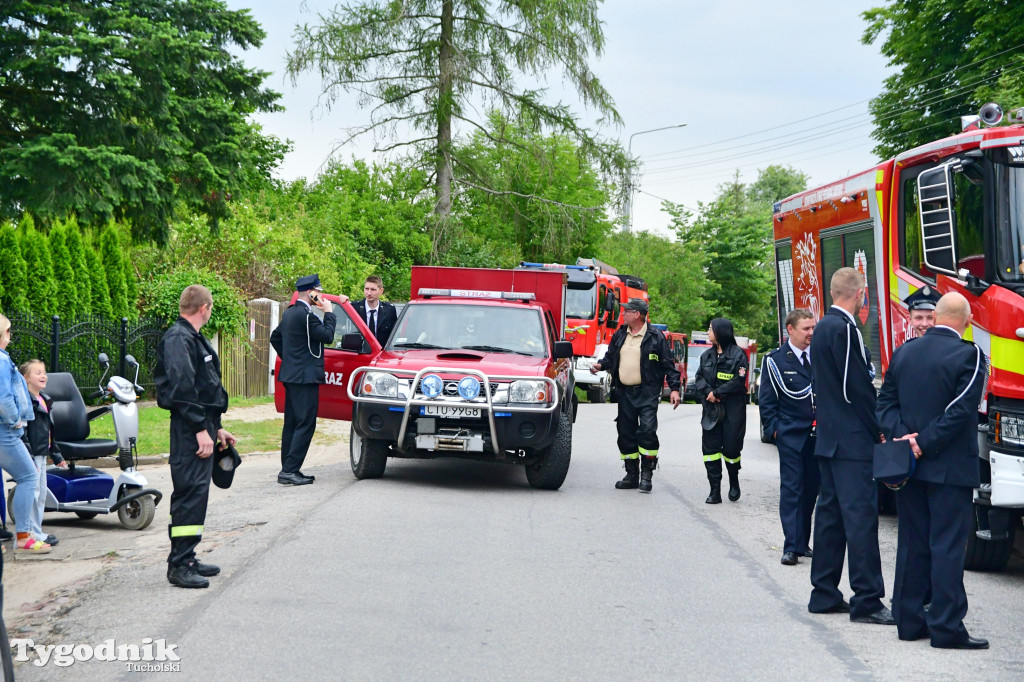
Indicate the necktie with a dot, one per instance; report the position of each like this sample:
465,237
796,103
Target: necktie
373,322
805,361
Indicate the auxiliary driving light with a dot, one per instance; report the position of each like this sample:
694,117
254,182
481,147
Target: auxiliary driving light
469,388
431,386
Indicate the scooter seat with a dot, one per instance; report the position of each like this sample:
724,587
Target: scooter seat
88,449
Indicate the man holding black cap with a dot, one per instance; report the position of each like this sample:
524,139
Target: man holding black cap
299,339
921,307
639,359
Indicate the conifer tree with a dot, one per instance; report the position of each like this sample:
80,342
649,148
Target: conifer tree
100,291
83,280
110,256
12,271
41,287
67,303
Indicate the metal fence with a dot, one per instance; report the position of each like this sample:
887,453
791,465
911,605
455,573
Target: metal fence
72,345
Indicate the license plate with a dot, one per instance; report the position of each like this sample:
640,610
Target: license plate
450,411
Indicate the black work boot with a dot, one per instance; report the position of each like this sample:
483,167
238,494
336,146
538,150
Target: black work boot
734,484
186,576
648,464
632,477
716,491
206,570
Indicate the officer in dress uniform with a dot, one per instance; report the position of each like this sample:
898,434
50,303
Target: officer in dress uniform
847,429
786,403
380,316
921,307
187,378
930,396
299,340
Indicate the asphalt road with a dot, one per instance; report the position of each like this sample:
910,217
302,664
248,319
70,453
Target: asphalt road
451,569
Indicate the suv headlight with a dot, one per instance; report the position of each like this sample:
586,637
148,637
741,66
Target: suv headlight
1006,428
528,391
380,385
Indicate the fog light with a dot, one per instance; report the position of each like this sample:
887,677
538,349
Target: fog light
527,430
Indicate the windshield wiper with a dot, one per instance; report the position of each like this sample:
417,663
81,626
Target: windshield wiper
422,346
496,349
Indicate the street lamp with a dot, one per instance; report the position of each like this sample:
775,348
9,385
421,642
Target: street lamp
632,185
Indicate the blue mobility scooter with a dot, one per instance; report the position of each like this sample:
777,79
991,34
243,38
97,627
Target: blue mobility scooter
87,491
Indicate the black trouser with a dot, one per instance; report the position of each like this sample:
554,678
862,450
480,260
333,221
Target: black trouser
191,478
846,521
637,421
799,481
934,522
301,402
725,439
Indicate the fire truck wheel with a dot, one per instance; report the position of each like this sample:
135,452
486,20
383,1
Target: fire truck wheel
368,456
552,465
988,555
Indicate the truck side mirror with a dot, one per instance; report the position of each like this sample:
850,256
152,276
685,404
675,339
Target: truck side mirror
563,349
938,220
609,302
354,343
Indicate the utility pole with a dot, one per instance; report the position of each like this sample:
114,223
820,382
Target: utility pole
628,210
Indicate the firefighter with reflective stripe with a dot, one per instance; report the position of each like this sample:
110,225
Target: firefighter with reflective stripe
639,359
721,388
188,384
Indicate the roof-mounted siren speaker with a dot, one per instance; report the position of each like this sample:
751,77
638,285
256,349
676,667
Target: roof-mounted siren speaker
991,114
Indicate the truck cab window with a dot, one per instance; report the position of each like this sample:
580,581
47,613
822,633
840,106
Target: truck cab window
968,199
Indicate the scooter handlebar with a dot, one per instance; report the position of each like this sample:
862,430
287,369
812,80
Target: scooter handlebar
95,394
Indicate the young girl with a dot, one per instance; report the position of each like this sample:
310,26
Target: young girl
39,440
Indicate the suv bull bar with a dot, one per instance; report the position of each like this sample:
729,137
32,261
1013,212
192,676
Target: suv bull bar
485,385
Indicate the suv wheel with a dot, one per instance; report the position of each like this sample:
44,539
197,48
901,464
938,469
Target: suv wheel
552,465
368,456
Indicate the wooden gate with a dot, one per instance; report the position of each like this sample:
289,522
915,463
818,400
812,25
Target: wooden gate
245,357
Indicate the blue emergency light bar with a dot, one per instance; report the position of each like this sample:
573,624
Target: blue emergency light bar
479,293
524,264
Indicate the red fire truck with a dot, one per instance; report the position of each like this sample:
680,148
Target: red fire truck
593,302
678,342
476,367
949,215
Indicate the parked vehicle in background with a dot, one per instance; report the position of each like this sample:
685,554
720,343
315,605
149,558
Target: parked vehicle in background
476,367
678,343
699,343
594,294
949,215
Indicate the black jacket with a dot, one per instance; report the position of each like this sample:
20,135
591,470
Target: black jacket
187,377
38,434
725,374
933,387
844,395
387,315
299,339
656,361
782,414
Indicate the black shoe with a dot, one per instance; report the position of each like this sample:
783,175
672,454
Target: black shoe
292,479
734,487
969,643
882,616
51,540
808,553
647,466
5,534
631,481
206,570
841,607
186,576
789,559
716,493
306,476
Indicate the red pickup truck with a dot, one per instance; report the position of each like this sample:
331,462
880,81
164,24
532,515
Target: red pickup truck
476,367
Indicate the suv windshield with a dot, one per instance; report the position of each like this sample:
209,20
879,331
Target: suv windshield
1010,221
488,328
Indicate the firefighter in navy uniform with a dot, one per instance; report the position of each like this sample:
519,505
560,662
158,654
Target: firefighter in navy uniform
921,308
639,359
188,384
722,389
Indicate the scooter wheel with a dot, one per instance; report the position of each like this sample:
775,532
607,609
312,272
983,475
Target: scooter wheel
137,514
86,515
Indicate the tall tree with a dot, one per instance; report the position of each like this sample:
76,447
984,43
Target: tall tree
12,271
123,108
113,267
425,64
79,264
67,303
951,57
41,290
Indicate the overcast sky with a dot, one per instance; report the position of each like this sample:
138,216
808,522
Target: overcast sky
728,70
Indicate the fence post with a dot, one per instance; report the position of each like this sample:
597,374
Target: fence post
123,366
55,344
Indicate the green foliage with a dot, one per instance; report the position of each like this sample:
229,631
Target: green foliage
119,109
537,197
424,64
67,304
951,57
83,279
681,295
98,279
12,271
41,285
160,297
734,232
112,262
